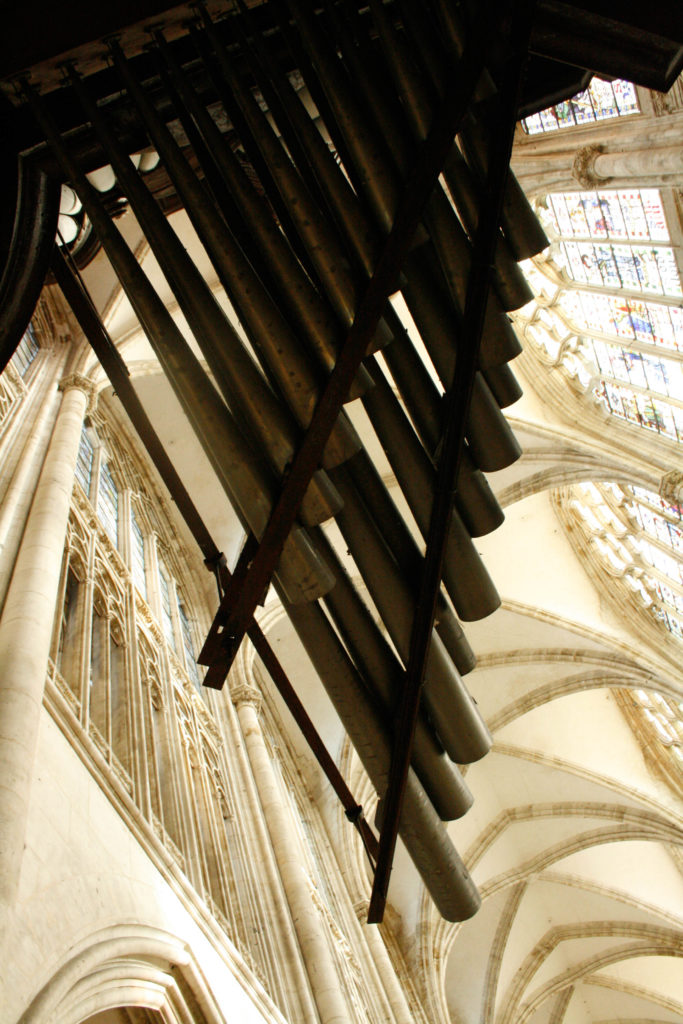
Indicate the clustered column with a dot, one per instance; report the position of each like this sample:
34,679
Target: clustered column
310,932
26,628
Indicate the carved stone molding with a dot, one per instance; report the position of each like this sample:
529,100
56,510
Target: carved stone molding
583,166
671,487
12,374
81,383
361,908
245,694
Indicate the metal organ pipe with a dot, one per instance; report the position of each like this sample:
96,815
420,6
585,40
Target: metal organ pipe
382,673
241,382
294,253
315,320
267,328
243,475
442,871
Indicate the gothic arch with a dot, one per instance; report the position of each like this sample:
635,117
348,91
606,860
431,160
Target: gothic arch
664,943
125,965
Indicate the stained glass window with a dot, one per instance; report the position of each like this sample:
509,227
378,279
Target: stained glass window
611,239
25,352
640,535
138,555
188,647
628,214
654,501
600,101
635,268
166,614
636,319
108,504
648,371
645,410
84,462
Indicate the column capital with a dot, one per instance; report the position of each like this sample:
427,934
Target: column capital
245,694
671,486
361,909
82,383
583,167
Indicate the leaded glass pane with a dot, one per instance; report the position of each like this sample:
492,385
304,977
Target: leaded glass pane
190,662
138,556
166,614
84,462
645,410
625,317
108,504
634,268
625,95
654,500
662,561
584,109
649,372
600,101
564,114
25,352
624,215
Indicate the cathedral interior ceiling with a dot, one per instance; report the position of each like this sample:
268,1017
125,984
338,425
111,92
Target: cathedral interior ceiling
573,840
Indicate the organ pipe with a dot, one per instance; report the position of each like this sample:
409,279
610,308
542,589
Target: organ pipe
294,246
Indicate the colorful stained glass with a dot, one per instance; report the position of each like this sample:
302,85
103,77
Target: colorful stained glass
645,410
626,215
642,370
108,504
630,267
600,101
625,317
84,462
657,526
655,501
625,95
25,352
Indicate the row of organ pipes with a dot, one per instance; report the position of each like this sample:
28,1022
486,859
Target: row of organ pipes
292,204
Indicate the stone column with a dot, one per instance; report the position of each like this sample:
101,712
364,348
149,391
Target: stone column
623,152
26,628
385,968
280,941
22,449
647,166
310,932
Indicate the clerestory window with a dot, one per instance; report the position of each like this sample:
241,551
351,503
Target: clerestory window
599,102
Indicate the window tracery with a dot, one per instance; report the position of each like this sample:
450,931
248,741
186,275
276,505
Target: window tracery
612,239
123,663
609,343
14,377
637,537
608,317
